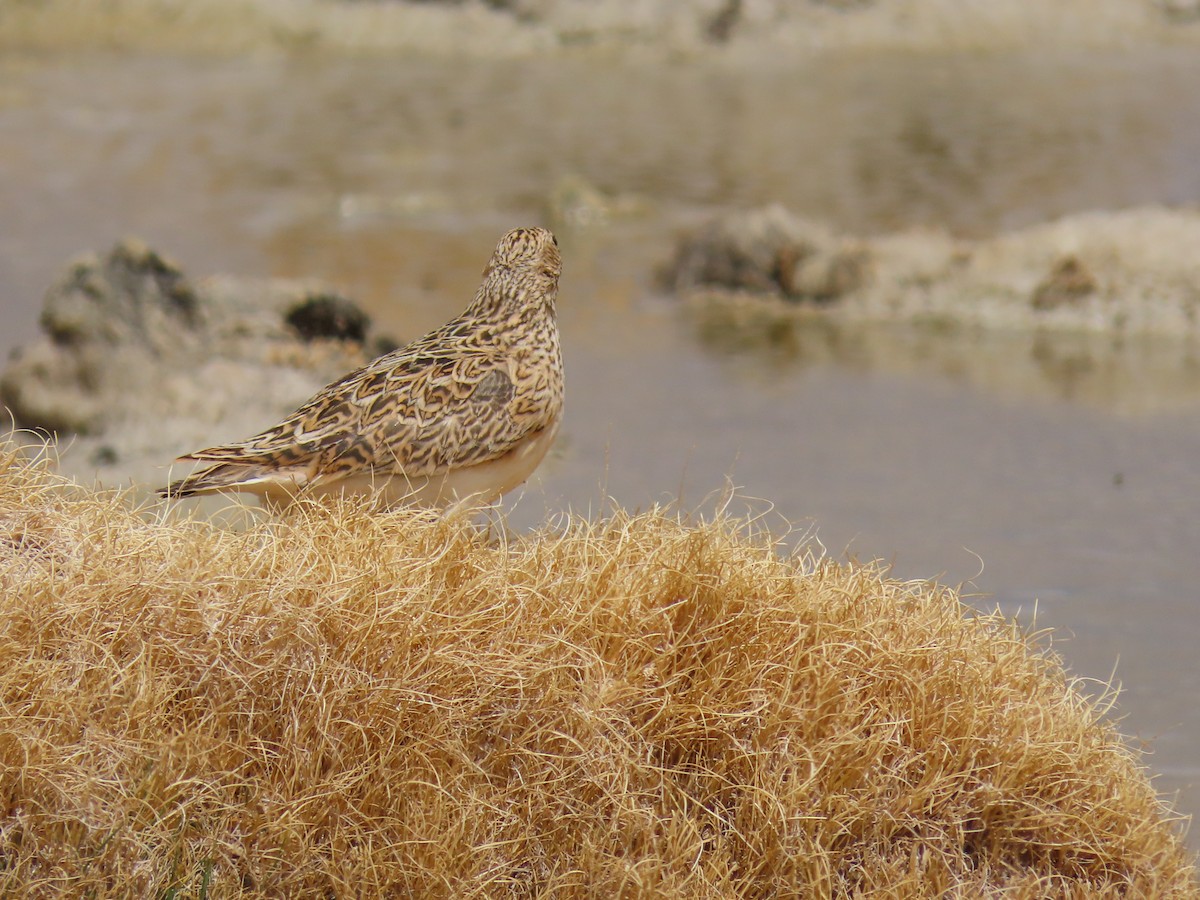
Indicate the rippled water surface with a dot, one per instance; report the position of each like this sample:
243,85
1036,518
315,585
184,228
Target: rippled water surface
1030,471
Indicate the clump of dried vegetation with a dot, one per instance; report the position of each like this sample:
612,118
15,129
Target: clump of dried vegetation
345,704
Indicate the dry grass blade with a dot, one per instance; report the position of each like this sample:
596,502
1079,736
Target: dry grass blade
339,704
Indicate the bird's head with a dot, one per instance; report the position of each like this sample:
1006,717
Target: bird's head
525,265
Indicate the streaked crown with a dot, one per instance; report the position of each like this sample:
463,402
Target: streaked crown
527,249
524,266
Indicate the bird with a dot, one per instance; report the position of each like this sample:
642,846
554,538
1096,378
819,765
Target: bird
456,418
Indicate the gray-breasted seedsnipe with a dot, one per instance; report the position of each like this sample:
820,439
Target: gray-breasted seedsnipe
459,416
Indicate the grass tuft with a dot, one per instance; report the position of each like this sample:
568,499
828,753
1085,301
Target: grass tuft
345,704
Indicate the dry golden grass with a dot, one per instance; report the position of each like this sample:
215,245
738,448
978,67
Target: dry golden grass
341,704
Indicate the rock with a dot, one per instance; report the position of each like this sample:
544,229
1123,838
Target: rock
1140,276
45,389
328,316
102,319
742,251
720,27
771,251
135,295
1068,282
1180,11
131,345
828,274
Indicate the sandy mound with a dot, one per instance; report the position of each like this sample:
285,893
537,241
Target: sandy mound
1133,272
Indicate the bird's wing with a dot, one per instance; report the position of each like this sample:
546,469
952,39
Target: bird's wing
417,412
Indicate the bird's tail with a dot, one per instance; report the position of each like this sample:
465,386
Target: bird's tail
222,476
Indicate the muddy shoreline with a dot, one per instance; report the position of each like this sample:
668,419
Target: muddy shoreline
735,30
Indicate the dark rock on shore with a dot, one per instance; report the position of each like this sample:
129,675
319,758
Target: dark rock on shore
328,316
1068,282
771,251
104,320
146,363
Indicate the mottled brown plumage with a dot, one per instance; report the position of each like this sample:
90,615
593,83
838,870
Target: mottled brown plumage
461,415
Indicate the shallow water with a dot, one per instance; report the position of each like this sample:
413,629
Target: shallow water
1041,480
